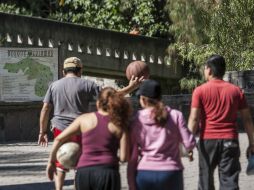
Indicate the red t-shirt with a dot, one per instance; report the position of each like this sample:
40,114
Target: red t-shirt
219,102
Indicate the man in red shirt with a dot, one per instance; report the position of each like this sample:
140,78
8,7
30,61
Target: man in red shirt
214,109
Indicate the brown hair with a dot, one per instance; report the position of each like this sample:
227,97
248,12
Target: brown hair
116,105
160,113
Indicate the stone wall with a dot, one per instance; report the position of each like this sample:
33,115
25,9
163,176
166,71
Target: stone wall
245,80
21,123
104,54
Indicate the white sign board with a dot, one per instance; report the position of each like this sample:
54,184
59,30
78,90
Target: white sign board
25,73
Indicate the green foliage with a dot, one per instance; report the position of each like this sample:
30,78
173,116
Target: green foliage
202,28
189,83
232,27
13,9
150,16
118,15
99,14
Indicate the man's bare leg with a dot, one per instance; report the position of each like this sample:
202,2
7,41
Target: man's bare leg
59,179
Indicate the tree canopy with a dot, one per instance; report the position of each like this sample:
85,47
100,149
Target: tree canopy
119,15
202,28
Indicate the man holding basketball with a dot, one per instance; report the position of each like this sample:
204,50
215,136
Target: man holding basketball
69,97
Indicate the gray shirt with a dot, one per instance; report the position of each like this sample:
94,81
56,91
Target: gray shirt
70,97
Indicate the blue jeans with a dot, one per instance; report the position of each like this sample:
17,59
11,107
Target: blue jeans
159,180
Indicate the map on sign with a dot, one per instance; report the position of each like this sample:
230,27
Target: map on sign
25,73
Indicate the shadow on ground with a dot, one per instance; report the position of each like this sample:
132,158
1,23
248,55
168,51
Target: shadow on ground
34,186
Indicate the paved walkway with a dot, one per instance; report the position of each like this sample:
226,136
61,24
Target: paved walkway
22,167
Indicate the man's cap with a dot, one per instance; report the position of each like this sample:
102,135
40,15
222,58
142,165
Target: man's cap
72,62
150,88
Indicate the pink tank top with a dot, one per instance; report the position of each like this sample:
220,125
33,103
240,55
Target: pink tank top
99,146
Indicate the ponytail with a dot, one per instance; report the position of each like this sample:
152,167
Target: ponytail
116,105
160,113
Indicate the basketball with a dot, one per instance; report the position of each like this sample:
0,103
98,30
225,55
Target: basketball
138,69
68,154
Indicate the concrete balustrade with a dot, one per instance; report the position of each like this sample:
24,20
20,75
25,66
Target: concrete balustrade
104,53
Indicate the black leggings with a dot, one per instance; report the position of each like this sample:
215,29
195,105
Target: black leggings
103,177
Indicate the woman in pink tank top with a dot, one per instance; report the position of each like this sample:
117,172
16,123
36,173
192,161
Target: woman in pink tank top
103,133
